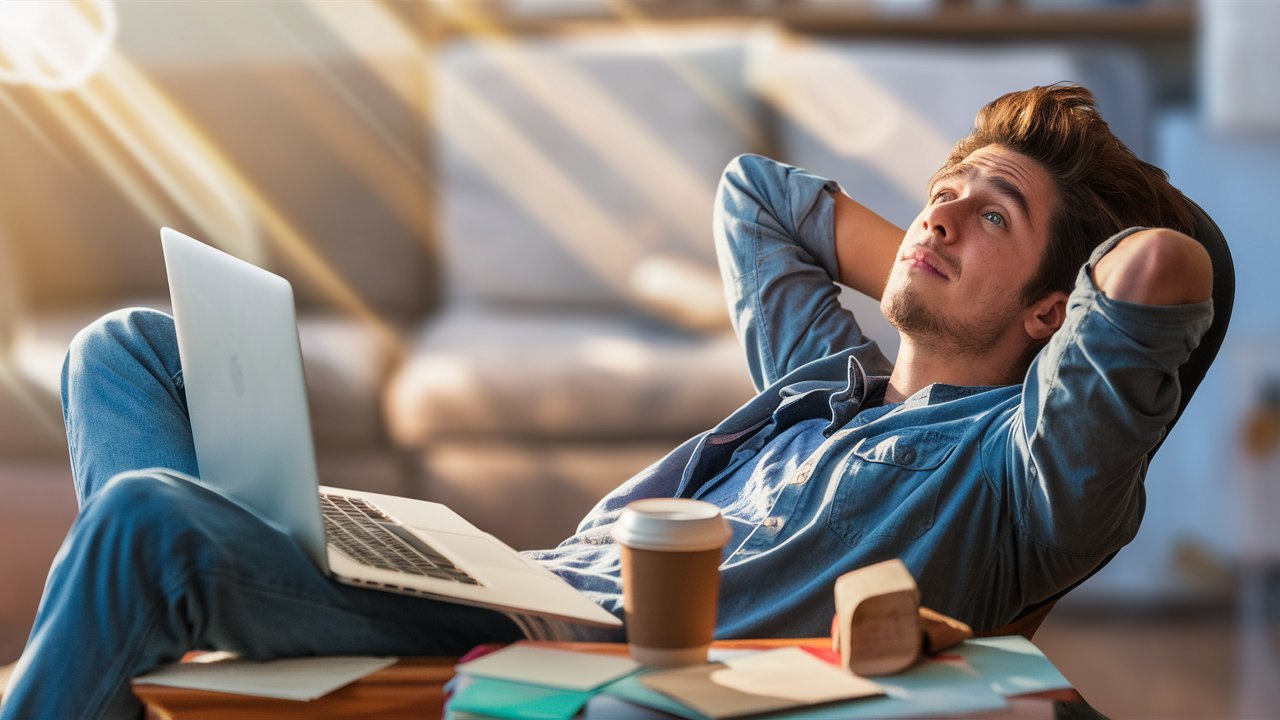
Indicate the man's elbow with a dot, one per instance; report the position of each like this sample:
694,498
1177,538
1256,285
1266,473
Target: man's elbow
741,169
1156,267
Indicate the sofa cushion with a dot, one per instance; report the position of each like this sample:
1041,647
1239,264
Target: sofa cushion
565,162
347,363
476,373
684,293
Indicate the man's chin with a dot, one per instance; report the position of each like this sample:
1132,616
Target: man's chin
926,327
905,310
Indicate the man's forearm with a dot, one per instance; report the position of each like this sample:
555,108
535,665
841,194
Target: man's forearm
772,229
1156,267
866,245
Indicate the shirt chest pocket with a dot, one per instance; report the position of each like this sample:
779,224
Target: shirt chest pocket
889,487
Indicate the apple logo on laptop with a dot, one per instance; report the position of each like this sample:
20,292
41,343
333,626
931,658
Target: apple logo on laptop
237,376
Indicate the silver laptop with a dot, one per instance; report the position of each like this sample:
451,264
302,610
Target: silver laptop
242,367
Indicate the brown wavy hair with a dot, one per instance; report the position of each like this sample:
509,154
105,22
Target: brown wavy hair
1103,187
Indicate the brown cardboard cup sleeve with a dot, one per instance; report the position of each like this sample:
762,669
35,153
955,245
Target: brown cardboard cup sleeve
671,552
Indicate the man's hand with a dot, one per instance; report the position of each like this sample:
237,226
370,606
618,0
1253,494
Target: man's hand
866,245
1156,267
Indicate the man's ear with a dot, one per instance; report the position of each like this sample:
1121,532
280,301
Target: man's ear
1043,318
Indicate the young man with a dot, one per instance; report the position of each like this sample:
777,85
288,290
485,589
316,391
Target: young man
1001,458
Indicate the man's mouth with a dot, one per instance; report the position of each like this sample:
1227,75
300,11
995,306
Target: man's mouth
928,261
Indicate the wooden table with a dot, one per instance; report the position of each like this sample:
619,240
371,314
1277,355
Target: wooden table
414,688
411,688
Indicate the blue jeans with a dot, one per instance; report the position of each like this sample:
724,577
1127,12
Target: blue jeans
156,565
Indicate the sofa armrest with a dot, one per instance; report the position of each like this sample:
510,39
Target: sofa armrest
686,293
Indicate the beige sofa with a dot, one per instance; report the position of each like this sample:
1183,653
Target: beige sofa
508,292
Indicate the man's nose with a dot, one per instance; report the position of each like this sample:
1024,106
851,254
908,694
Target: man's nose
940,222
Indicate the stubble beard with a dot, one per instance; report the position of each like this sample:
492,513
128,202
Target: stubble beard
907,311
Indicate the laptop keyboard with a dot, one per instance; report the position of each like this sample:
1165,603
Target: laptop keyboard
352,525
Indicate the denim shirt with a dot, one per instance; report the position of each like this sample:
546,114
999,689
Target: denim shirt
994,497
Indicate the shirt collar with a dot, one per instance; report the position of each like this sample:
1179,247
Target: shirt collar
941,392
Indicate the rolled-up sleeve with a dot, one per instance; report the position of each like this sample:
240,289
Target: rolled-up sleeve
775,238
1095,402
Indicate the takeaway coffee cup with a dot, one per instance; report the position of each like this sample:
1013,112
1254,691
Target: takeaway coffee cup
670,578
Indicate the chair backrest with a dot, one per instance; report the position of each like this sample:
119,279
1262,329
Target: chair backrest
1190,375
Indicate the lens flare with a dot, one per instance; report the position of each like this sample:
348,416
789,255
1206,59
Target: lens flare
54,44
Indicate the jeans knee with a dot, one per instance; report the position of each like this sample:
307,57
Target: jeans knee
154,491
144,511
120,329
135,335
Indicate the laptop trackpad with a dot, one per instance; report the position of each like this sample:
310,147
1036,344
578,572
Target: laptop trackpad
477,550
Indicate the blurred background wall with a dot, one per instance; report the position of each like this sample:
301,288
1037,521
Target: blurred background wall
497,213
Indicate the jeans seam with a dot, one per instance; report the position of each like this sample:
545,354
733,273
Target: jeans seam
771,369
129,660
108,688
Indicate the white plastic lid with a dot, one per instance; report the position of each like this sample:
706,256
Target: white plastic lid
672,524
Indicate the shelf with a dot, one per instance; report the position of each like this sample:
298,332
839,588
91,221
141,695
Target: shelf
953,20
1022,22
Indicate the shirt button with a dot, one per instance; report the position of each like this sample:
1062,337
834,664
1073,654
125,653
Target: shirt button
802,476
773,523
908,456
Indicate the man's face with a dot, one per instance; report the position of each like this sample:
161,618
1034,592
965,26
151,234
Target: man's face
958,278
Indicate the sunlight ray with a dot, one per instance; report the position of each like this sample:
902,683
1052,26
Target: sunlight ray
380,40
398,63
400,60
124,175
381,158
278,227
850,113
492,141
630,150
55,45
176,157
37,132
152,152
709,89
36,408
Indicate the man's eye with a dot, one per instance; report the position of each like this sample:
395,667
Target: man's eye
941,196
994,218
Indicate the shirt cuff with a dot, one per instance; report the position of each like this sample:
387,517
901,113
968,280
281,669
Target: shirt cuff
812,203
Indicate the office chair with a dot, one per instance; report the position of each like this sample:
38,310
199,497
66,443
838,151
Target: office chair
1190,375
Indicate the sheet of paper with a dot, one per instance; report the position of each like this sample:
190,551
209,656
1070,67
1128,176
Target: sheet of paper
765,682
493,698
289,679
693,687
927,689
632,690
794,674
1013,665
609,707
550,667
